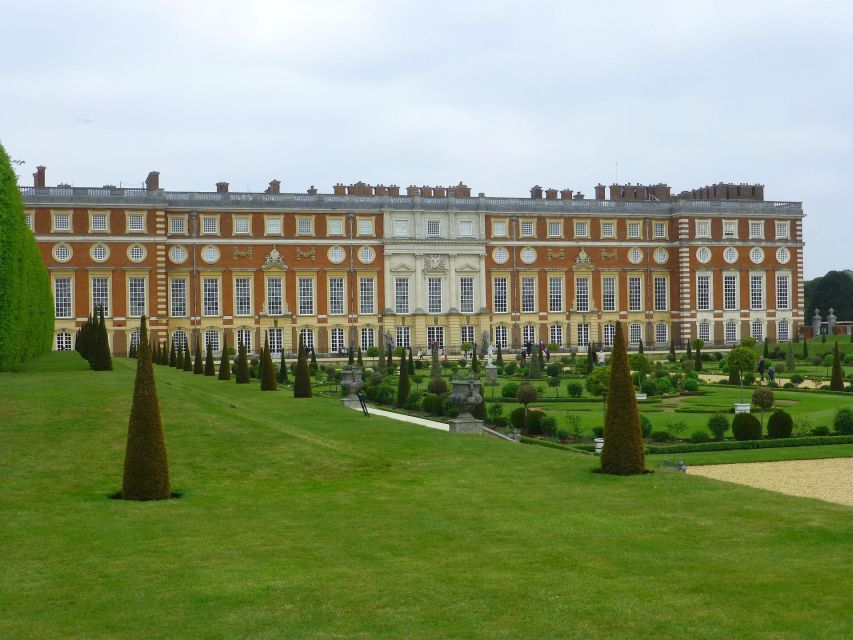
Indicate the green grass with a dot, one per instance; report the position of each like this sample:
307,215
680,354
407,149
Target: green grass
300,519
755,455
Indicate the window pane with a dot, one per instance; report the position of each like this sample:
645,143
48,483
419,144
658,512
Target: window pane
243,296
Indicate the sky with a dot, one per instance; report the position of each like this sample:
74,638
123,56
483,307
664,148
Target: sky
499,95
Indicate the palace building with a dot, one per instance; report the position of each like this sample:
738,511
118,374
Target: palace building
433,265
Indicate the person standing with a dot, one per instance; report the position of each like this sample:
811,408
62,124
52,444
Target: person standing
771,374
761,367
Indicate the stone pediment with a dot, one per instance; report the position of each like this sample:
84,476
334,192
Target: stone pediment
583,261
467,268
274,261
402,268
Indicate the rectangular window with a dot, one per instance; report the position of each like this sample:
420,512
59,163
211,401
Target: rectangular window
581,229
660,333
365,226
177,225
635,333
608,293
555,228
434,295
499,295
62,222
555,334
335,227
28,220
607,230
98,222
730,228
661,302
433,228
337,342
466,229
499,228
211,337
528,294
467,334
555,294
756,292
62,297
136,222
704,331
305,288
501,337
241,225
365,296
466,295
583,334
582,294
731,331
101,294
528,334
243,296
210,296
368,338
404,337
635,298
401,295
178,291
659,230
304,226
783,229
336,297
401,228
275,296
273,226
729,292
783,331
633,229
209,225
275,339
703,292
783,296
527,229
435,336
756,229
136,296
703,228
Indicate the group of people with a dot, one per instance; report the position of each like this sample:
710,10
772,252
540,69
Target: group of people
528,350
762,367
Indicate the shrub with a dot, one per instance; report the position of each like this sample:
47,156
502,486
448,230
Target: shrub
433,403
660,436
650,388
414,401
302,381
691,384
663,386
526,394
789,385
746,426
749,379
516,418
645,425
718,424
730,445
438,386
820,431
449,409
533,422
385,394
574,389
598,432
548,425
509,368
554,369
509,390
843,422
780,424
700,436
797,378
495,412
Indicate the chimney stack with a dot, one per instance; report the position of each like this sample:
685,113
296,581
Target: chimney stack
565,194
274,188
536,192
152,182
599,192
312,191
38,176
550,194
221,187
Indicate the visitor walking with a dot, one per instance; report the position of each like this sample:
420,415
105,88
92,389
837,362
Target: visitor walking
761,366
771,374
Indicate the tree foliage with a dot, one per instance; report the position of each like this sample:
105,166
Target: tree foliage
836,383
302,376
242,372
102,360
833,290
403,384
224,361
209,366
268,382
198,363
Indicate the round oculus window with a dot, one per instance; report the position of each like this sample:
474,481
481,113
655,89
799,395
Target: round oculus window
210,254
783,256
136,253
336,255
366,255
661,255
703,255
500,255
730,255
99,252
528,255
178,254
756,254
62,253
635,255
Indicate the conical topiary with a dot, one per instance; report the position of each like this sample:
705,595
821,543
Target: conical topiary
359,360
313,368
302,377
389,359
403,384
500,359
179,359
164,354
267,369
411,363
836,383
282,369
380,365
198,364
188,360
623,435
173,354
640,346
103,360
146,467
224,362
805,349
209,366
242,365
475,362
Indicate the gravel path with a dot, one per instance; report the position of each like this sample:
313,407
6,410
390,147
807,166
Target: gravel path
830,479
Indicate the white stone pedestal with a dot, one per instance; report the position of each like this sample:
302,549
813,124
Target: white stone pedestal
742,407
466,425
491,375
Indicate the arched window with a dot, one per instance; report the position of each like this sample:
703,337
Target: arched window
306,335
211,339
244,337
338,340
501,334
63,341
704,332
731,331
635,332
179,339
368,338
758,330
528,333
661,333
555,334
783,331
609,334
134,339
275,337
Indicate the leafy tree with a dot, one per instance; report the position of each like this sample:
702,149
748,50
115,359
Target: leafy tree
598,381
836,383
780,424
718,424
554,382
302,376
697,362
267,369
623,435
179,359
746,426
763,398
411,363
224,363
282,368
435,366
198,363
500,358
641,364
209,366
672,357
404,387
103,360
360,361
26,300
525,395
146,467
741,362
835,289
495,412
380,365
188,361
242,372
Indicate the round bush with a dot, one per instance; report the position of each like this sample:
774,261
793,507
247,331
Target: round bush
509,390
780,424
746,426
749,379
692,374
663,385
718,424
843,422
438,386
516,418
554,369
797,378
820,431
691,384
510,368
548,426
449,409
645,425
789,385
660,436
574,389
526,394
700,436
650,388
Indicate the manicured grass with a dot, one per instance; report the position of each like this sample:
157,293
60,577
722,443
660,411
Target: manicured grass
301,519
756,455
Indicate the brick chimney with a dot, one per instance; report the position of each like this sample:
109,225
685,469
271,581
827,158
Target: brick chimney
274,188
312,191
339,189
393,190
426,191
380,190
536,192
439,192
412,190
565,194
550,194
38,176
152,182
599,192
221,187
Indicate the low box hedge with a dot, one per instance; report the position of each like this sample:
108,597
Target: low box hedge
731,445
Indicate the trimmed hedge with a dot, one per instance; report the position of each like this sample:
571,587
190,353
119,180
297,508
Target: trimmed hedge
733,445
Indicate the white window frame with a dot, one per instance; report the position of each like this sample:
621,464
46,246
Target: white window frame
178,297
403,336
609,334
63,301
783,229
274,295
528,294
730,291
731,331
756,229
367,337
337,340
137,302
661,333
702,229
501,336
730,229
306,292
526,228
703,292
555,294
243,296
757,290
402,298
582,293
608,293
500,298
583,334
106,300
435,295
337,296
466,294
661,286
242,221
211,291
635,333
209,225
555,334
367,295
435,335
635,293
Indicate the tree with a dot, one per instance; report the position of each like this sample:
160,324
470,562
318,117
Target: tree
805,349
380,365
268,369
179,359
790,359
640,346
188,361
389,359
209,366
26,299
672,357
697,363
763,398
360,361
836,383
590,358
741,361
500,358
554,382
146,467
689,353
403,384
435,366
534,369
282,369
475,363
242,373
641,364
173,355
766,353
302,376
835,290
623,435
313,368
224,363
525,395
350,356
103,360
198,363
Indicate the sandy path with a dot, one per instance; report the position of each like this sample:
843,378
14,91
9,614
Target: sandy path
829,479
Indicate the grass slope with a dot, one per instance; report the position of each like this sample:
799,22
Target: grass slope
304,520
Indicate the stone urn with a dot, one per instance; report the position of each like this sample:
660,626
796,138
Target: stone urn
351,383
466,395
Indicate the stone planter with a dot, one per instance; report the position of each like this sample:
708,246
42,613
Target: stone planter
742,407
599,445
351,382
466,395
641,396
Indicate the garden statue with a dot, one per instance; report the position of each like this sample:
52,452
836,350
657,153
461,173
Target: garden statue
816,322
466,396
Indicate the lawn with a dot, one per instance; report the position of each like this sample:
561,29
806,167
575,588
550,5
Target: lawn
300,519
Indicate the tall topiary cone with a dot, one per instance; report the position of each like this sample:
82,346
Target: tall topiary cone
242,365
623,436
103,361
836,383
164,354
302,377
267,369
282,369
224,362
188,360
146,468
179,359
360,360
403,384
209,366
411,363
198,365
173,355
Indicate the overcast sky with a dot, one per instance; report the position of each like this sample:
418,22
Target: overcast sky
501,95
